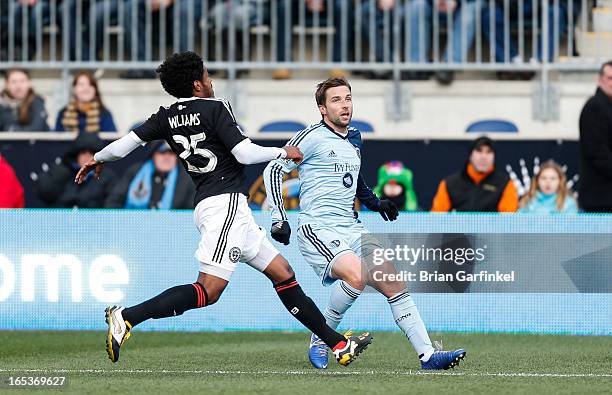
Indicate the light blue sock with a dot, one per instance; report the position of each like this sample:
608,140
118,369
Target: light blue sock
409,320
342,297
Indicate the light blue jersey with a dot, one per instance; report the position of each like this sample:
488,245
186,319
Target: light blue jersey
328,176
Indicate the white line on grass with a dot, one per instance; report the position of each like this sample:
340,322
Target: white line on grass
308,372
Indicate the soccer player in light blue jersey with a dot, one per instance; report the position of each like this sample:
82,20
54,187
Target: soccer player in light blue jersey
330,237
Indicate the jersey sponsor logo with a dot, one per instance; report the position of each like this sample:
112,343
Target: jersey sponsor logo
295,310
344,167
347,180
184,120
234,254
334,244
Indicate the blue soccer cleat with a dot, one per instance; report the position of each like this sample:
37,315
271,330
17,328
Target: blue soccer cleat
317,352
441,359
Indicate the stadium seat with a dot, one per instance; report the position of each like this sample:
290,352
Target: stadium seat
282,126
492,125
362,126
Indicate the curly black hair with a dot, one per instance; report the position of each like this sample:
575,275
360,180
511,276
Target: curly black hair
178,72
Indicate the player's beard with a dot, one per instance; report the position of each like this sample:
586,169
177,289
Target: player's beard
337,121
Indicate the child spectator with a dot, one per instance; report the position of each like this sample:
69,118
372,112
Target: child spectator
85,112
395,184
21,109
549,192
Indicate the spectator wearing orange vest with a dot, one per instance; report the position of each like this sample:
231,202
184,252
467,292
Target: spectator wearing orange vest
479,186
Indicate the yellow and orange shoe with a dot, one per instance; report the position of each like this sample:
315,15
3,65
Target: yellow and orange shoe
354,345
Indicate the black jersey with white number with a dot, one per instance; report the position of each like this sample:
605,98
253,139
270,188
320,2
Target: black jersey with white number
202,132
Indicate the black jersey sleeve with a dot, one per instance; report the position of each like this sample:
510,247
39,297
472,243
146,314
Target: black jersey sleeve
151,129
227,129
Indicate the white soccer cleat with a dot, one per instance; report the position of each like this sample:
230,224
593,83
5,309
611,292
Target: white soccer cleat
118,331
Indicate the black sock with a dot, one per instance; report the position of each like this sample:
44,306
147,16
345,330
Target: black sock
305,310
171,302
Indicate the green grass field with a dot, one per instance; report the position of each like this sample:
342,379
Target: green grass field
247,362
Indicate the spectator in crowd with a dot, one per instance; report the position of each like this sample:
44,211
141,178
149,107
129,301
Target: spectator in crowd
558,12
35,12
158,183
11,191
225,15
479,186
85,112
21,109
82,16
316,14
384,21
187,13
56,187
596,147
549,192
395,184
4,6
463,15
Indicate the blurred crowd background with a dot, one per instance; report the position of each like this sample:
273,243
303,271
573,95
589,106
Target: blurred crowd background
402,48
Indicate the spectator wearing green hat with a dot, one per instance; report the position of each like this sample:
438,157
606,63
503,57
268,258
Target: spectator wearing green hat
395,184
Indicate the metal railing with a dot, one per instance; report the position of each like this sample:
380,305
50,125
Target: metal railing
392,38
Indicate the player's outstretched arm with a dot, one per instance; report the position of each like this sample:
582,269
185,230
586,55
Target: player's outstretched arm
248,153
116,150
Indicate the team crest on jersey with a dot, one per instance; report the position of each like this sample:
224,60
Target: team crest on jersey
234,254
347,180
334,244
358,152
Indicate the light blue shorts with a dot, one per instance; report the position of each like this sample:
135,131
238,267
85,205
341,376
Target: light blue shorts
321,246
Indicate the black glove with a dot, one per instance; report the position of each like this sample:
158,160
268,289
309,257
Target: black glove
388,210
281,232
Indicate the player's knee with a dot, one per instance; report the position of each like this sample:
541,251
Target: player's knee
212,291
279,270
283,274
213,297
355,278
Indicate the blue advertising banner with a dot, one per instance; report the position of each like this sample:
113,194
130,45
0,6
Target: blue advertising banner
59,269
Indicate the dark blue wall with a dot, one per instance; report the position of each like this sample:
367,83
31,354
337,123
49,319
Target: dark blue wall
430,162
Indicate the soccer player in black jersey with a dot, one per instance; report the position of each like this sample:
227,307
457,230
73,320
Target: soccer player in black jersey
203,132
